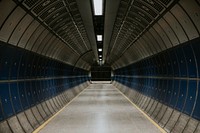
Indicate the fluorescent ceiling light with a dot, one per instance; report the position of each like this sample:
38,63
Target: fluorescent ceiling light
98,7
99,37
100,49
100,55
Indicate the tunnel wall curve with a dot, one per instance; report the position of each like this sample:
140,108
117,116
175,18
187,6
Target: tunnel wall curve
33,88
166,87
43,27
177,25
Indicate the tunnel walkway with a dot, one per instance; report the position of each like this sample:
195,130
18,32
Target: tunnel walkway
100,108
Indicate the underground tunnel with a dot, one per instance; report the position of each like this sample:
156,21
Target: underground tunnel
99,66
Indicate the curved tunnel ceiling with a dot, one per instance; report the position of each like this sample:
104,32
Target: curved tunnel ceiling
133,29
47,27
144,28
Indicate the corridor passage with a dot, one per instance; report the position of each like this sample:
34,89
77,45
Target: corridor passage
100,108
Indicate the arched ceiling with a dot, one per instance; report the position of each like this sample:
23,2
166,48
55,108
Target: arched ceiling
53,28
64,30
143,28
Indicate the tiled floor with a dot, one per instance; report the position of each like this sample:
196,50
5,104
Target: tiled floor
100,109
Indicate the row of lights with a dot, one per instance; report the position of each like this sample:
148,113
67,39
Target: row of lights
99,39
98,11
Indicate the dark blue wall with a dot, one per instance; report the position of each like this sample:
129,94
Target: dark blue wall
27,79
170,77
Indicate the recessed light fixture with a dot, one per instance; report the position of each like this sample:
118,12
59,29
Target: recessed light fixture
99,37
100,49
100,56
98,7
100,59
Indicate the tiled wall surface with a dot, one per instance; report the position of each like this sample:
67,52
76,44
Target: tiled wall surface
166,85
34,87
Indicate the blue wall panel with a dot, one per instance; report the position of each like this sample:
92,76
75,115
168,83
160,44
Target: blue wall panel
5,100
15,97
1,111
196,47
169,92
27,79
175,64
191,96
181,95
170,77
196,113
190,58
5,62
23,95
181,62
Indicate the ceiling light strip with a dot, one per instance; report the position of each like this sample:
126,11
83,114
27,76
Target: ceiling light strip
98,7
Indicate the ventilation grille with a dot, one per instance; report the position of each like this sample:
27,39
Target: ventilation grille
166,2
51,10
30,3
41,6
132,20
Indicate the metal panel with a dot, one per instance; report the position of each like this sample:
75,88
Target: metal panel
1,112
169,92
39,40
5,62
11,23
193,11
174,63
4,127
141,50
6,7
153,48
145,47
34,37
137,51
24,122
181,94
196,47
52,47
15,125
5,100
169,31
191,96
175,92
185,21
23,40
44,42
158,38
182,62
23,96
191,126
180,124
191,61
196,113
163,35
20,29
47,45
57,50
175,25
154,41
15,63
14,93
